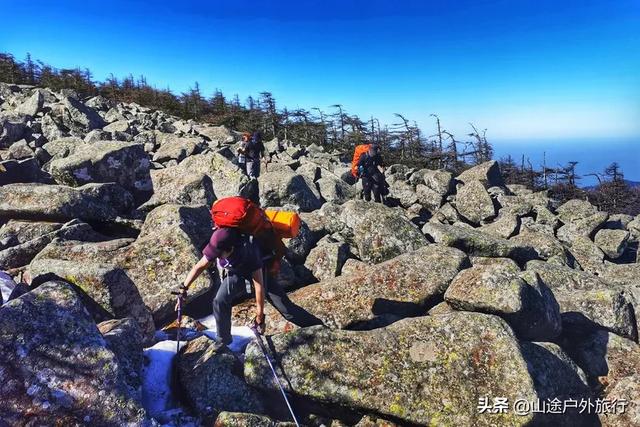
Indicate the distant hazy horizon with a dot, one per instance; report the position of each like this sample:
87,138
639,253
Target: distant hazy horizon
592,154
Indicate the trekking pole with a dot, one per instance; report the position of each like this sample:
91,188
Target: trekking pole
273,371
180,298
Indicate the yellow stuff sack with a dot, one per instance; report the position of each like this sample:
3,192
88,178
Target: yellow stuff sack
285,223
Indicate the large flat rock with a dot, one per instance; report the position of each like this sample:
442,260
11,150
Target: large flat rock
477,243
397,288
488,173
379,233
199,180
474,203
107,161
212,378
586,301
289,188
425,370
520,298
91,202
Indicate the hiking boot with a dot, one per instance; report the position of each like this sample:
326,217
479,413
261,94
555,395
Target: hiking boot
220,342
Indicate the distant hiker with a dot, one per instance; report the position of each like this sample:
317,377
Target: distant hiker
242,159
371,171
241,259
255,155
252,151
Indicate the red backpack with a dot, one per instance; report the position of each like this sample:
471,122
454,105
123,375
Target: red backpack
249,218
240,213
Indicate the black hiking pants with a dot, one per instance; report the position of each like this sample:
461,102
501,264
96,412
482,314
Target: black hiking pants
233,286
370,186
253,168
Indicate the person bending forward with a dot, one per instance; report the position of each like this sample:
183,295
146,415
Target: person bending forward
241,260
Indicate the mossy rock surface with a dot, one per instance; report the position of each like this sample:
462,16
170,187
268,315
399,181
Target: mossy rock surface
479,243
109,161
212,379
425,370
378,232
379,293
43,202
587,302
55,365
520,298
169,244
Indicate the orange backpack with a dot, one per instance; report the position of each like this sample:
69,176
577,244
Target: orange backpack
359,151
286,224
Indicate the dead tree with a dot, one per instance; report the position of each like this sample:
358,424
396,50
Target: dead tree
439,139
375,137
596,175
482,149
324,125
341,118
544,169
614,172
405,136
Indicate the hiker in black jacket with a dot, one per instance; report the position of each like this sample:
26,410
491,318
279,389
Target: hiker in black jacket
371,171
254,153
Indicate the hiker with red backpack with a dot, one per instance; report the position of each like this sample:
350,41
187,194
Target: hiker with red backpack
246,247
371,170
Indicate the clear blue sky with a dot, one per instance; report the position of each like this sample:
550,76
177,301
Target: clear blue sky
522,69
